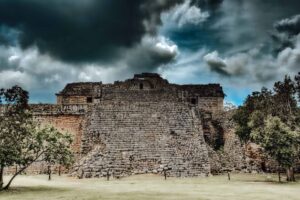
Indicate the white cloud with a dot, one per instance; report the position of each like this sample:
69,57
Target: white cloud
151,53
185,14
164,46
255,67
187,69
10,78
97,73
213,58
36,72
290,57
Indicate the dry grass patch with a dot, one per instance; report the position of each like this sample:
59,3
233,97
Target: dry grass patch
242,186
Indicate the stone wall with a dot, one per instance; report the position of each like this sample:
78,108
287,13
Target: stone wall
72,100
136,95
213,104
52,109
66,118
141,137
71,124
231,156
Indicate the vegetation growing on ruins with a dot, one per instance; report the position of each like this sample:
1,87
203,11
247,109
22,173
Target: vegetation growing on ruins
23,142
218,142
271,119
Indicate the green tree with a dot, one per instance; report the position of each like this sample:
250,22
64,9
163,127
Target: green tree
15,120
297,80
277,140
23,142
43,145
281,102
285,100
259,101
58,150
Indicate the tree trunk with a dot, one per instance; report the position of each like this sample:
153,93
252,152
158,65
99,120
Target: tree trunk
59,170
290,176
14,176
20,171
293,175
1,177
49,172
279,177
107,175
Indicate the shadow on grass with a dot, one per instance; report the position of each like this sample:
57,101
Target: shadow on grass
36,189
265,178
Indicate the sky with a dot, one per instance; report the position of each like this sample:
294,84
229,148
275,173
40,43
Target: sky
241,44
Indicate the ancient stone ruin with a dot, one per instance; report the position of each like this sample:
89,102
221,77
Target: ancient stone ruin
141,125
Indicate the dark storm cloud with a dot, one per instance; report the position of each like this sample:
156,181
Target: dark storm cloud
263,65
49,43
246,23
207,4
290,25
218,68
234,25
82,30
285,33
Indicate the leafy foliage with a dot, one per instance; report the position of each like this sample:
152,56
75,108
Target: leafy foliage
58,150
278,140
15,123
218,140
271,119
22,141
281,102
259,101
297,79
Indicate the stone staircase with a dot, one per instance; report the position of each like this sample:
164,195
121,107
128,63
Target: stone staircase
143,137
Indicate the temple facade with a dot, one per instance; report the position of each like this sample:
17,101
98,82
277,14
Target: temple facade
140,125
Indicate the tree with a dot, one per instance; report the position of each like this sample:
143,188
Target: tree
261,101
58,151
286,108
285,99
297,80
258,107
278,141
23,142
15,120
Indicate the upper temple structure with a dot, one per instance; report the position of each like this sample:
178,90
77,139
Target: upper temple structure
145,87
140,125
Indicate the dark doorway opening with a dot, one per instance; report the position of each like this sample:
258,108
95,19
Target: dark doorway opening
194,101
89,100
141,86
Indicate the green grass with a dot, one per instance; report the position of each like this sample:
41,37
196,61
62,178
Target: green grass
143,187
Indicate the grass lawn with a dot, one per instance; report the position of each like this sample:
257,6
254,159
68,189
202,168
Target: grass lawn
241,187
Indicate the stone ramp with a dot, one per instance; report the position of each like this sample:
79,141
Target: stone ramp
141,137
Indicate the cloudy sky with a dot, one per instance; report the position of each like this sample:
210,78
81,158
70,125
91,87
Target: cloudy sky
242,44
